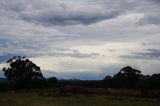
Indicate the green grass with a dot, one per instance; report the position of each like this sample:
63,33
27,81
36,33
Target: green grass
32,98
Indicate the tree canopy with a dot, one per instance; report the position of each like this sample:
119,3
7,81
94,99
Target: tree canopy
22,70
126,77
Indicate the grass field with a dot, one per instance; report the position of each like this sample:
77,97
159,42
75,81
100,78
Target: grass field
32,98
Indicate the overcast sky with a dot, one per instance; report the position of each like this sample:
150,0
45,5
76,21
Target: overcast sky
85,39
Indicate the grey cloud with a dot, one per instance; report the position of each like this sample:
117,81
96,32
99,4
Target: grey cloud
151,12
72,12
64,53
70,19
148,54
73,53
62,12
35,28
150,19
90,12
152,53
150,43
133,56
12,47
155,1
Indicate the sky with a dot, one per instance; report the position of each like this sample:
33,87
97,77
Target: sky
82,39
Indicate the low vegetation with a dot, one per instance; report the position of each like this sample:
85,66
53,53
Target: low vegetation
35,98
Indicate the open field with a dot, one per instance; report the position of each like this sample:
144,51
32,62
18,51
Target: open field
33,98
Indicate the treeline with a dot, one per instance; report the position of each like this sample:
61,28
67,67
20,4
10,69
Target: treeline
23,73
51,82
127,77
131,78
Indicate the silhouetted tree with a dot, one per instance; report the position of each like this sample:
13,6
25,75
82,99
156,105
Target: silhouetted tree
107,81
143,84
22,71
154,81
52,80
127,77
107,78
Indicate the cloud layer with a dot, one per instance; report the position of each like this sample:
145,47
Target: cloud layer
82,36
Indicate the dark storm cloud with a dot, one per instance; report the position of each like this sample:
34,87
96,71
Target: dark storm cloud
46,12
73,19
61,12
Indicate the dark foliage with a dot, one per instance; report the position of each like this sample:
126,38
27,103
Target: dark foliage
23,72
131,78
127,77
154,81
51,82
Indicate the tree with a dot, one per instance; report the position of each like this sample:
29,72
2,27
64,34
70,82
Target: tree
22,71
127,77
107,78
52,80
154,81
107,81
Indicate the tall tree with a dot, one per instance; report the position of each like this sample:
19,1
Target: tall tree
22,71
127,77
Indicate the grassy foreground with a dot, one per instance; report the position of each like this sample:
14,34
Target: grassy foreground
32,98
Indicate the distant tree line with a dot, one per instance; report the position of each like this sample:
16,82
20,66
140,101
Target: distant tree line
128,77
23,73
